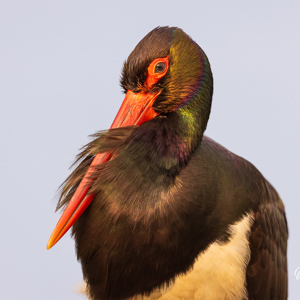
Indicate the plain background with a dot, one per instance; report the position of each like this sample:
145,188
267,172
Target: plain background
60,64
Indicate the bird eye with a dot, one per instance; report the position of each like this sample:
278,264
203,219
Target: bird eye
156,70
160,67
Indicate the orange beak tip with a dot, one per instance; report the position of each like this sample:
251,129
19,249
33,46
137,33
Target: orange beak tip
51,242
49,245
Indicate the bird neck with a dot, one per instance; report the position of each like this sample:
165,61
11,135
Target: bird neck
167,142
191,121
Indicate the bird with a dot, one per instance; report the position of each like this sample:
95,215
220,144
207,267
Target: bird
158,210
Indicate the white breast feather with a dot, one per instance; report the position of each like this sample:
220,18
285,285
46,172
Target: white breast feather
219,273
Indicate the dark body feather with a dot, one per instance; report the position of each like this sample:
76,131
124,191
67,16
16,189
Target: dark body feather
148,237
267,269
168,193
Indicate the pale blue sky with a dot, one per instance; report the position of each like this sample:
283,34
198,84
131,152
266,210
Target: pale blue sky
60,64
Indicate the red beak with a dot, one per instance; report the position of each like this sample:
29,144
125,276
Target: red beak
136,109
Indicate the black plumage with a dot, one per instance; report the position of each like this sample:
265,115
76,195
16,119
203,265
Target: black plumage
168,192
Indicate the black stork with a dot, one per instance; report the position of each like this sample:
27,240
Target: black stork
162,211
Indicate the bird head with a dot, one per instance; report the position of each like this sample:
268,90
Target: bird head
168,64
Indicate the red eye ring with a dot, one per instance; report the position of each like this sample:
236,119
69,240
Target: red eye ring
153,76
